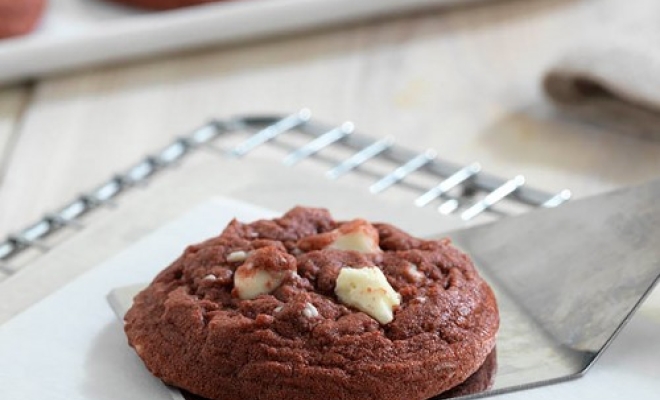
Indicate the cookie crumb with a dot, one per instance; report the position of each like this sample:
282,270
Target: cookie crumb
413,274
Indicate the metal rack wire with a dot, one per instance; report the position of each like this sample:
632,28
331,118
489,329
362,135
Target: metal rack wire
478,192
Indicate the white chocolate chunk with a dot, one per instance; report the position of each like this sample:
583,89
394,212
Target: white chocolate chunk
358,235
210,277
237,256
310,311
358,241
368,290
251,282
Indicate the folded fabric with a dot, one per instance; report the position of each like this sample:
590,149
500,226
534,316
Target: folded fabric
613,81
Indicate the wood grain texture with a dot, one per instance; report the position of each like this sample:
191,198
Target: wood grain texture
13,101
466,82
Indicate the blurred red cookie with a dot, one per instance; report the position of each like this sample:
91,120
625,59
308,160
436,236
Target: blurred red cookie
18,17
164,4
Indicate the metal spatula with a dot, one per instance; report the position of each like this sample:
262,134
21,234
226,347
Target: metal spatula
567,280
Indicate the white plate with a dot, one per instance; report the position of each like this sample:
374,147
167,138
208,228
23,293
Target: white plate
78,33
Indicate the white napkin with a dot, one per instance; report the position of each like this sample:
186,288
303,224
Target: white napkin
612,79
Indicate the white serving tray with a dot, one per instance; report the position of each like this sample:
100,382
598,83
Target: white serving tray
76,33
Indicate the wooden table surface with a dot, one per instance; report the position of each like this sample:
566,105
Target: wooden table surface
465,81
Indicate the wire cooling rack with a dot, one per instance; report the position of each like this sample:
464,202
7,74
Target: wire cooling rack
464,191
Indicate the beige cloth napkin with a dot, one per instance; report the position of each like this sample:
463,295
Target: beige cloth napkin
613,80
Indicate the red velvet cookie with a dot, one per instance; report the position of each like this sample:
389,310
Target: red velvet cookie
304,307
18,17
165,4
